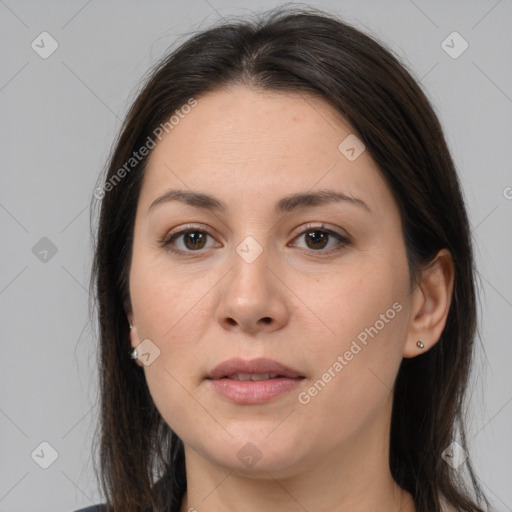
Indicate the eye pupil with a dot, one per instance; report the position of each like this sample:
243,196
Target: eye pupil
194,240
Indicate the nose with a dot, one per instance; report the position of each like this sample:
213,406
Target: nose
252,297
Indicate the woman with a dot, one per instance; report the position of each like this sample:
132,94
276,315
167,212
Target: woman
284,281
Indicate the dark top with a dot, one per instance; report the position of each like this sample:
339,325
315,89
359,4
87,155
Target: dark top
94,508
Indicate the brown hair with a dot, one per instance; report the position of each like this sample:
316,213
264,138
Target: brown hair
302,50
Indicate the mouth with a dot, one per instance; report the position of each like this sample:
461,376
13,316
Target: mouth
254,376
252,369
252,382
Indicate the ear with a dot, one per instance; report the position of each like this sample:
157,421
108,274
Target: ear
134,337
430,304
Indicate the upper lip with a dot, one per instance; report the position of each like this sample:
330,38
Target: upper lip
262,365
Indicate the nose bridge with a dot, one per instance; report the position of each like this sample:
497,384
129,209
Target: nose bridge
250,272
251,296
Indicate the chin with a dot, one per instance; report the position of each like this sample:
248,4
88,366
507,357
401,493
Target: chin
257,456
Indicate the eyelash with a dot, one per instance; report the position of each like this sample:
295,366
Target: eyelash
167,240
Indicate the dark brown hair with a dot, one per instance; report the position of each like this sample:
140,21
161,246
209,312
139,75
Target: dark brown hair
306,51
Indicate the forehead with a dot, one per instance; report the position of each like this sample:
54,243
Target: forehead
240,141
236,120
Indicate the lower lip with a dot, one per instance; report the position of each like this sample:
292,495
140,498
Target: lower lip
247,392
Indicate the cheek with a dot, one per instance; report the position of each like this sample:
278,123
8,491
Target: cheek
364,297
354,370
361,321
173,316
177,405
163,297
172,310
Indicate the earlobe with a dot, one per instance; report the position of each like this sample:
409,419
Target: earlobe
431,305
134,341
133,336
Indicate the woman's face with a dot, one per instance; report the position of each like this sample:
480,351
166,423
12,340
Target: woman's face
319,286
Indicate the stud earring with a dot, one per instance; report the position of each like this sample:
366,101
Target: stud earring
420,344
133,354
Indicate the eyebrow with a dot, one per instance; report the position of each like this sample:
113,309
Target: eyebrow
287,204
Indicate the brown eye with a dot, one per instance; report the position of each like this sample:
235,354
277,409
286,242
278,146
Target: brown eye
186,241
194,240
190,240
318,238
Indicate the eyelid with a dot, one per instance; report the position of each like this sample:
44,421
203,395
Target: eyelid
320,226
183,229
344,240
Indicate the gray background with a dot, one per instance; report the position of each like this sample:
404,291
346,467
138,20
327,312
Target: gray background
59,117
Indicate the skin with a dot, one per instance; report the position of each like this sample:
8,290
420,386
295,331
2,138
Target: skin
249,148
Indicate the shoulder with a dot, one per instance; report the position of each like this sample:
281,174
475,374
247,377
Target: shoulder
93,508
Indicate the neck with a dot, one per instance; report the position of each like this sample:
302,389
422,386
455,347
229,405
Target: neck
229,492
353,478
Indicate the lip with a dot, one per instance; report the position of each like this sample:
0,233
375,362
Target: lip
261,365
252,392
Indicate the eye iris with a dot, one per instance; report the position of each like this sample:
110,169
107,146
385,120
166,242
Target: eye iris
317,237
197,238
